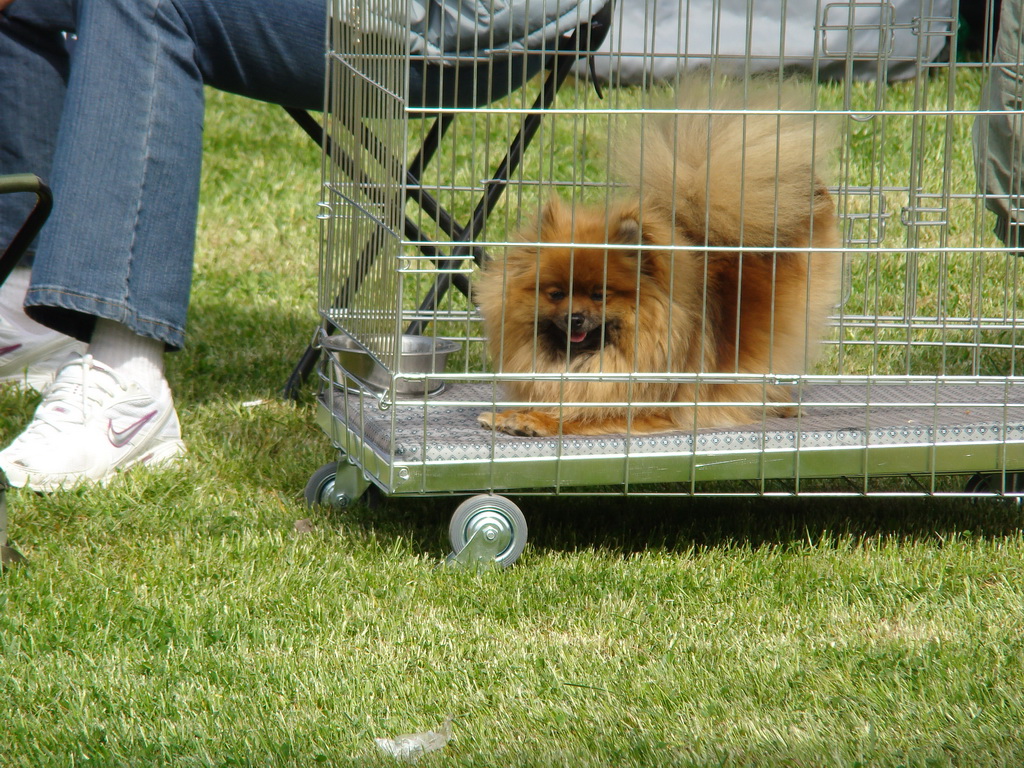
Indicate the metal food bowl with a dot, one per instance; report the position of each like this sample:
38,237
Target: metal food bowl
357,371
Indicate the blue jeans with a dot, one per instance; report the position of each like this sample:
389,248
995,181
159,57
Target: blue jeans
114,122
999,129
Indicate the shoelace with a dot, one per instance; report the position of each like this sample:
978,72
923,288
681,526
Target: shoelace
67,399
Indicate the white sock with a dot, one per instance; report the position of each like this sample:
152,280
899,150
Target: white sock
138,358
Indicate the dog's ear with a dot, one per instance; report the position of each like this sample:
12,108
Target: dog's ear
628,232
552,214
628,228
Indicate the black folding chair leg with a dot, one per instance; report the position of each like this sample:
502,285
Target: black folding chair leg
24,182
20,182
302,370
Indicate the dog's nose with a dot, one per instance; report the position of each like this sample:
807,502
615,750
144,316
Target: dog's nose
577,321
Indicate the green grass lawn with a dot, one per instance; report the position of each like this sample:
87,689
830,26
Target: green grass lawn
179,618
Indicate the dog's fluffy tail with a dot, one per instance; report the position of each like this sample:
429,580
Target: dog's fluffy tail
751,177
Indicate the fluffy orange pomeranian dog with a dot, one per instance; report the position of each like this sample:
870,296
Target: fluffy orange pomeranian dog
709,266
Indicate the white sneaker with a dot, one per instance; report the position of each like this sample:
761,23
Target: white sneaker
91,424
30,359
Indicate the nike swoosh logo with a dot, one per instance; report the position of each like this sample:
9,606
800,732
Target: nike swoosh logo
120,437
10,348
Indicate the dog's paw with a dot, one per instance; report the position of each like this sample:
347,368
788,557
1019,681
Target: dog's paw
787,411
518,423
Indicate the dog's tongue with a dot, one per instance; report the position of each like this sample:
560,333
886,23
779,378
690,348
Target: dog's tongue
577,336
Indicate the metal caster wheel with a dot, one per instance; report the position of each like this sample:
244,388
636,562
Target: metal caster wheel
487,530
335,485
995,482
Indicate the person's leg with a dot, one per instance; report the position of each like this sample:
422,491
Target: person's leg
116,257
999,133
125,199
34,60
33,56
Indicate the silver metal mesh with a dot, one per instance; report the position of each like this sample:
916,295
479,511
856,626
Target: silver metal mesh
363,171
928,303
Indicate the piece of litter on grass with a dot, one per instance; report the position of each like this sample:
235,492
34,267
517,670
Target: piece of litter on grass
410,747
303,526
252,403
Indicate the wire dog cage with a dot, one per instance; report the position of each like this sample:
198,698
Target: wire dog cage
440,236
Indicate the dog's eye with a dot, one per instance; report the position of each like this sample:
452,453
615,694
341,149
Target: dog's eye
556,295
597,295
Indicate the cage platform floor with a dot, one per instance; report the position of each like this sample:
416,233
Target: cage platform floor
843,430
